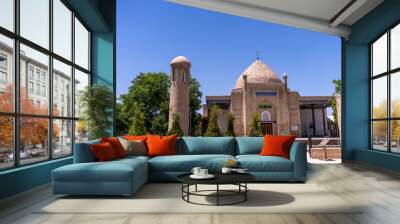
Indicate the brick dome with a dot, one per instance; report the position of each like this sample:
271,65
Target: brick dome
257,72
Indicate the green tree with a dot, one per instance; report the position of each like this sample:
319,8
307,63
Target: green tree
195,105
212,128
338,91
151,91
159,125
137,126
230,127
338,86
255,127
148,93
97,102
122,121
176,126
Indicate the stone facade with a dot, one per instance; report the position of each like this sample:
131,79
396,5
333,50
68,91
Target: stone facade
179,92
260,90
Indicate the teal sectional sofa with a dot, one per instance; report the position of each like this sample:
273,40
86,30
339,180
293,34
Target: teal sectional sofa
125,176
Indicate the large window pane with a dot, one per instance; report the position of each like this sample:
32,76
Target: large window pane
395,136
34,96
379,135
81,45
62,29
33,139
6,142
62,138
81,82
34,21
62,89
6,74
395,47
379,56
379,98
395,95
7,14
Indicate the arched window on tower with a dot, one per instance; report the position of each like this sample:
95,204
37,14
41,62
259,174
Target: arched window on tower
265,116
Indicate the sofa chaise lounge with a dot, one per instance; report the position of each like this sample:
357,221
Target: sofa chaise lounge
125,176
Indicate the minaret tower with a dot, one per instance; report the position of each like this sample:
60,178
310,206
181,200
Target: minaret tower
179,92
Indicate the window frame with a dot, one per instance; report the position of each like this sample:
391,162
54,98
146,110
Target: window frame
388,74
16,114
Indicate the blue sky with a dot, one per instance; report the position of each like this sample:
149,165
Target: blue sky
151,32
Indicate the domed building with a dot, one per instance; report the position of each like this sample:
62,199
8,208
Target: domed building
282,111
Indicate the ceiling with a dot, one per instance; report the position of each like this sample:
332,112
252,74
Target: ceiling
328,16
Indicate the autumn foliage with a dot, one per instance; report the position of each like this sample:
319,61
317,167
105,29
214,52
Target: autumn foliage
33,131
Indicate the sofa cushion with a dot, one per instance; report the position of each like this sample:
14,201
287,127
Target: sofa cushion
257,163
249,145
116,145
185,163
135,147
112,171
103,152
275,145
207,145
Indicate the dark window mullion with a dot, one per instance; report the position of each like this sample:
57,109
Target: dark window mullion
16,84
73,82
389,101
50,81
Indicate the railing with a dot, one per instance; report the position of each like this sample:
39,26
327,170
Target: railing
322,148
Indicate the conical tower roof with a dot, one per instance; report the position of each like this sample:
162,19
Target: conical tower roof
257,72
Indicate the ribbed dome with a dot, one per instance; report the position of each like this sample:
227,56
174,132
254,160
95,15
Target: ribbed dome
180,59
257,72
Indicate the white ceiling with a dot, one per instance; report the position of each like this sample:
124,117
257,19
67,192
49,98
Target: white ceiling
327,16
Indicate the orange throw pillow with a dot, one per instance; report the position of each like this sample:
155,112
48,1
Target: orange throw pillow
277,145
161,145
103,152
116,145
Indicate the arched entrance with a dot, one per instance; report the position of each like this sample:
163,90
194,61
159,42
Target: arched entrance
266,123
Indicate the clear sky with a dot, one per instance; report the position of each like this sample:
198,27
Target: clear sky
152,32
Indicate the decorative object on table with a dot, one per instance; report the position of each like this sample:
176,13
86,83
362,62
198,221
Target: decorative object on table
200,173
230,170
239,180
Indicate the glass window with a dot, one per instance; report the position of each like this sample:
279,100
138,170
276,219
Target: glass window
34,80
7,14
81,45
379,56
62,29
33,140
395,95
385,125
62,72
81,131
395,136
81,82
6,142
379,98
62,137
34,21
7,75
379,135
395,47
40,62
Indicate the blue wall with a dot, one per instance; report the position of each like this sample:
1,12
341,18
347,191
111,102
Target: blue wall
356,81
24,178
99,16
103,63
